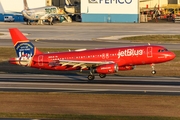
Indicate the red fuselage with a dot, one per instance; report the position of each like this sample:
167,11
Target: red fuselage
101,61
122,56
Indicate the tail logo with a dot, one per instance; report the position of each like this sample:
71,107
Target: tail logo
25,49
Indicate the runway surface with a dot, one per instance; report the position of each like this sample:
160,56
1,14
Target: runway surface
85,35
90,31
79,84
82,44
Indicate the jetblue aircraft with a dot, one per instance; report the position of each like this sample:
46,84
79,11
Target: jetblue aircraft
101,61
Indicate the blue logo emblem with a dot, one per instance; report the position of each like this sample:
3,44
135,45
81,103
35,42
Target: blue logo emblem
25,49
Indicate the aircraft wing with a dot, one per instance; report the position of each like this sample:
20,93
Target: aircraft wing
82,64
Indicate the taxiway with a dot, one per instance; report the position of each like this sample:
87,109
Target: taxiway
79,84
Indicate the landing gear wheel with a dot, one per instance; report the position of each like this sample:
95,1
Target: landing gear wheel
91,77
28,23
153,72
102,75
50,23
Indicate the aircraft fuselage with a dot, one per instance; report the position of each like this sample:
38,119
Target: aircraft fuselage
124,56
40,13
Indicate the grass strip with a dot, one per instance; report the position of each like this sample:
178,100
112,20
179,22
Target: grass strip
74,105
83,117
154,38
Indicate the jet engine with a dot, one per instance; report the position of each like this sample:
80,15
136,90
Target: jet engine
106,69
123,68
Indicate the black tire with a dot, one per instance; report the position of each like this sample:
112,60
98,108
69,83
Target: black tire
91,77
102,75
153,72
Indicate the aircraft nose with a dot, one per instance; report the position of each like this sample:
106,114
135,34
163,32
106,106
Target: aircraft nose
171,55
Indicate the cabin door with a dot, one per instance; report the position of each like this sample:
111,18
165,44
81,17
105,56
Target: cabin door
149,52
40,60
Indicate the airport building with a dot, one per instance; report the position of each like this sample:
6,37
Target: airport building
122,10
109,11
91,10
104,10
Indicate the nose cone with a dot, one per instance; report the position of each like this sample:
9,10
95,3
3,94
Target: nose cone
170,56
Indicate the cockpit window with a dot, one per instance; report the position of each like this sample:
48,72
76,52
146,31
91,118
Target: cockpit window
163,50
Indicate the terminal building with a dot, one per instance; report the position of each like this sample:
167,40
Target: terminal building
108,11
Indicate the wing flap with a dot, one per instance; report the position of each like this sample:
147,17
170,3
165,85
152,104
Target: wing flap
83,64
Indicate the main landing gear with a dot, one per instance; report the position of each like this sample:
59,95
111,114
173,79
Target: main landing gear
102,75
153,70
92,76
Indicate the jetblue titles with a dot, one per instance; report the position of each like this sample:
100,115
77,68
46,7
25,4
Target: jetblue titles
130,52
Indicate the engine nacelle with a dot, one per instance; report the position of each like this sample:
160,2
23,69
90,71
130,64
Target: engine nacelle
107,68
130,67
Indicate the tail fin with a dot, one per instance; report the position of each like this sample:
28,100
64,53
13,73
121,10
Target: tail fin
25,5
22,45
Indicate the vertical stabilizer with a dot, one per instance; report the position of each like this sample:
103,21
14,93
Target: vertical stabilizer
1,8
22,45
25,5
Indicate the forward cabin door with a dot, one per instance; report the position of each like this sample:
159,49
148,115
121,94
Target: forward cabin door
40,60
149,52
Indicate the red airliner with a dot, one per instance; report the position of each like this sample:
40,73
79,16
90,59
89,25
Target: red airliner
101,61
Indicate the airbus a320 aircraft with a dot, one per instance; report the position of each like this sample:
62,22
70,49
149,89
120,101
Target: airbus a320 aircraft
50,12
101,61
39,14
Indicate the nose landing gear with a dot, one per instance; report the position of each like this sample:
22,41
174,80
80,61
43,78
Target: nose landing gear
153,69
